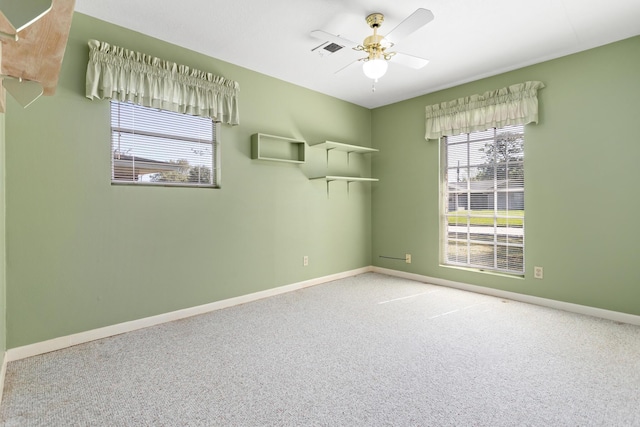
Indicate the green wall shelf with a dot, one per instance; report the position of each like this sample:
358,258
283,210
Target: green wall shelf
330,178
348,148
348,179
277,148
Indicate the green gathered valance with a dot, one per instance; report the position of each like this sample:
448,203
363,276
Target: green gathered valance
117,73
513,105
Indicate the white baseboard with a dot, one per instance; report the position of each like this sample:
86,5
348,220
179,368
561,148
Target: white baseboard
545,302
120,328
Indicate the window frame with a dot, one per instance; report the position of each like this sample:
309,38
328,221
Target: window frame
446,213
214,144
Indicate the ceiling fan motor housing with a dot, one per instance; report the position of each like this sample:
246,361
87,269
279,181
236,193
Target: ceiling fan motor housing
373,44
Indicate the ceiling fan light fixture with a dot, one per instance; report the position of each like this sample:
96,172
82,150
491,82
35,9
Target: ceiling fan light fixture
375,68
376,61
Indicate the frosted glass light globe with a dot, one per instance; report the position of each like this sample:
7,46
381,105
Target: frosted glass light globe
375,68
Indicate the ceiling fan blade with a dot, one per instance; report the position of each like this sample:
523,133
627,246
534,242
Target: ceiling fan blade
412,23
409,60
324,36
350,64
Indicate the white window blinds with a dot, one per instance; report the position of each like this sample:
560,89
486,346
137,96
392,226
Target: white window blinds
484,199
150,146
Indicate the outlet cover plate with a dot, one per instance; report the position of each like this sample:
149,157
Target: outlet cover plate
538,272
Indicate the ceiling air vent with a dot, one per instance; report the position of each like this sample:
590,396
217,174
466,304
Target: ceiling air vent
332,47
327,48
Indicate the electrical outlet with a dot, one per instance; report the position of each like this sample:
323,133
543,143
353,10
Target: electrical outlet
407,258
538,272
305,260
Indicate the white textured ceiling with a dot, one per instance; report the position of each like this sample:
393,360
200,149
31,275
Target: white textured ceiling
467,40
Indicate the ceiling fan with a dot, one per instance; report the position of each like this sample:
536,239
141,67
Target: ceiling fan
376,46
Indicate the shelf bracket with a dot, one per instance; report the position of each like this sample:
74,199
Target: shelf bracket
328,181
349,157
328,149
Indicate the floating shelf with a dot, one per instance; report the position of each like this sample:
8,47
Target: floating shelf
330,178
339,146
277,148
348,179
347,148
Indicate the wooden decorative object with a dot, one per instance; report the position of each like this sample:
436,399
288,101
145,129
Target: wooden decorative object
38,53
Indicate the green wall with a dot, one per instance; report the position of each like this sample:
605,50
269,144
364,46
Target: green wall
3,252
84,254
581,186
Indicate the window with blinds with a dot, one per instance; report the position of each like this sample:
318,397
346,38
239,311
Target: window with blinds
484,199
158,147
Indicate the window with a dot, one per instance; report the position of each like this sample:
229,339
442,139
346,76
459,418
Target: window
484,199
150,146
